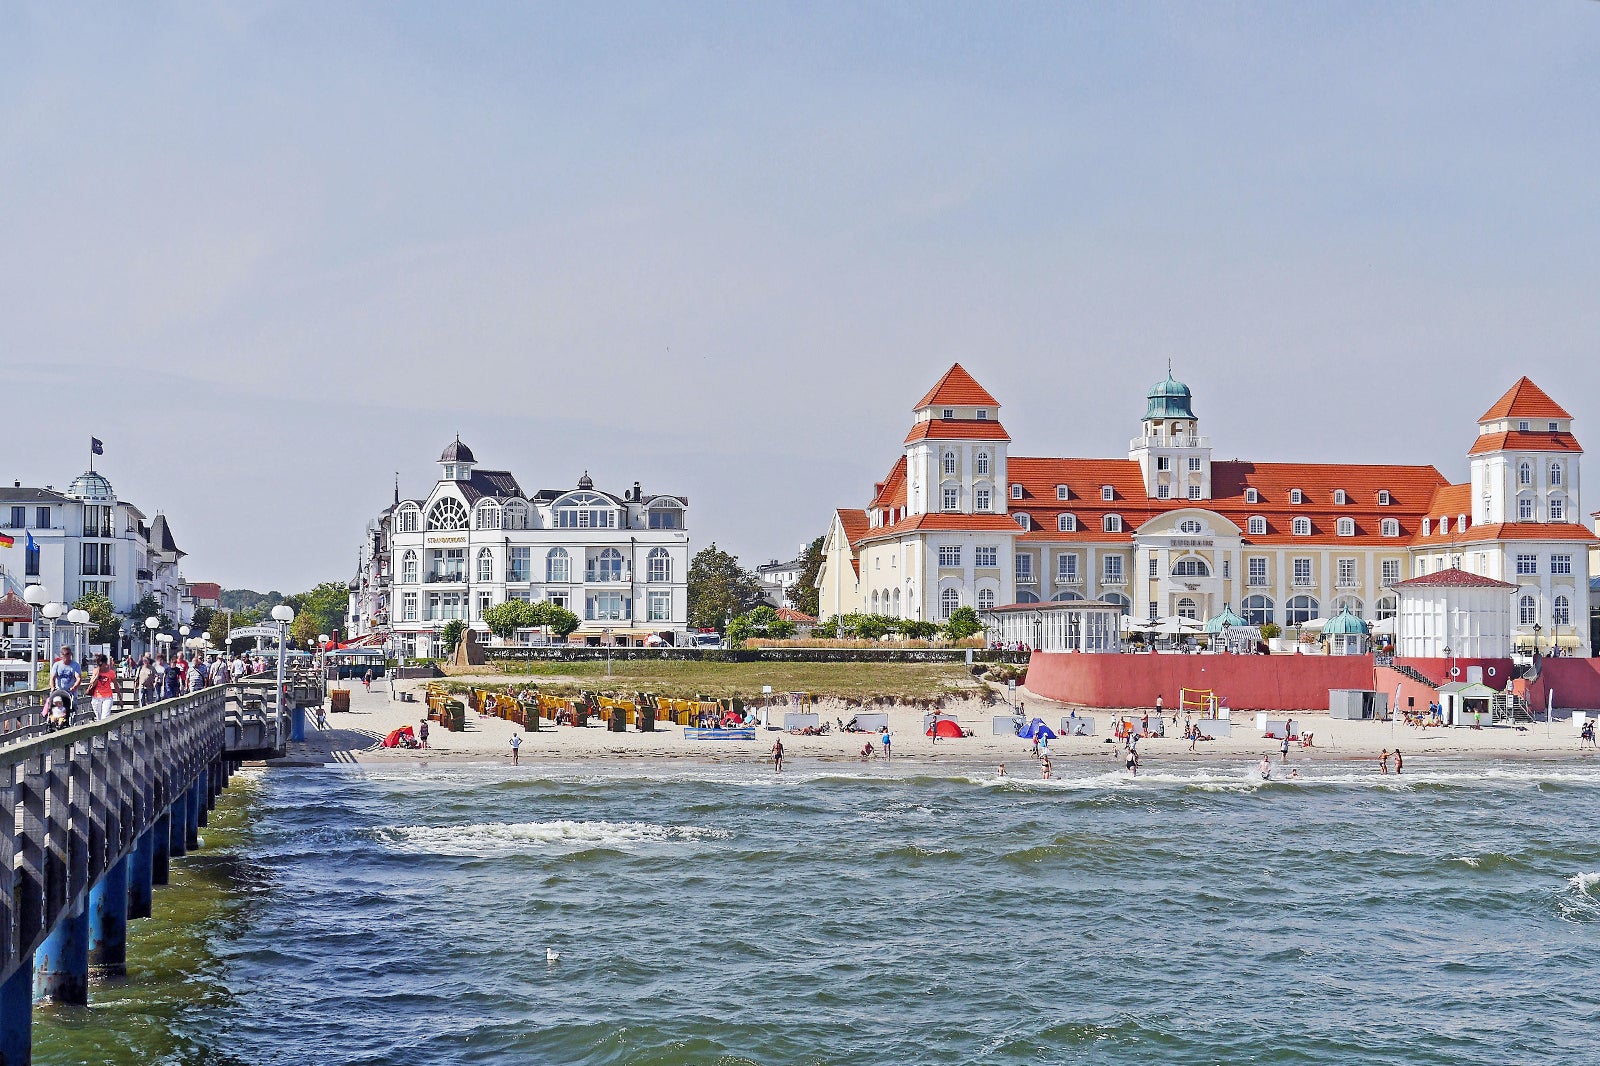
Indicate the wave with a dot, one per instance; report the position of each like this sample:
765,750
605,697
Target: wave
1580,900
497,839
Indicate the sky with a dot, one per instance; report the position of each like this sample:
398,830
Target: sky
274,254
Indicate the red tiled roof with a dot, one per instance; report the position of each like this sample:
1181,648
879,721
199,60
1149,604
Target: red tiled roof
855,524
1524,400
891,491
798,617
1526,531
205,590
1411,488
960,523
1526,442
957,429
14,608
1451,501
1453,579
957,389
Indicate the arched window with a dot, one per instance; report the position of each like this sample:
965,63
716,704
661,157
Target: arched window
1347,527
1252,496
896,611
1258,610
1067,523
1191,568
1340,498
1118,599
607,566
1027,596
1187,608
983,462
1524,473
1296,496
585,510
1302,527
1300,609
516,516
1189,525
1561,612
874,607
448,513
666,514
558,566
485,564
1258,526
408,566
949,600
1066,597
949,463
1461,523
658,565
1391,527
1387,608
1555,473
1113,523
407,522
985,599
1351,603
1528,610
488,516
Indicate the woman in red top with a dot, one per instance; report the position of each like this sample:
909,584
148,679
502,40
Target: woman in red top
102,688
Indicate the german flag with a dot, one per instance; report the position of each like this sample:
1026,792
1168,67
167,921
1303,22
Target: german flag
7,542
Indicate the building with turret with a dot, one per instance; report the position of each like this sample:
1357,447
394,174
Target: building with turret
1169,530
620,562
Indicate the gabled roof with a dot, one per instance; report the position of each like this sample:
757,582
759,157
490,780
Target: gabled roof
953,523
891,491
957,389
14,608
1524,400
1452,578
1450,500
161,536
855,524
489,483
1524,442
957,429
798,617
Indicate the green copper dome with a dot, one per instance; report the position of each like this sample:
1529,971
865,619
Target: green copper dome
1344,624
1170,399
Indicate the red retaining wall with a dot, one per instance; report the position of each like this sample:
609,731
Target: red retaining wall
1576,683
1245,682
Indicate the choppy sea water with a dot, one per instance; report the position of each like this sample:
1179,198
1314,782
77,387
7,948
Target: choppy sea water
717,913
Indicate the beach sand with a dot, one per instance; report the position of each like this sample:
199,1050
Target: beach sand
355,738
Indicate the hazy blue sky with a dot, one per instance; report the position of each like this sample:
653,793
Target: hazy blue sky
272,253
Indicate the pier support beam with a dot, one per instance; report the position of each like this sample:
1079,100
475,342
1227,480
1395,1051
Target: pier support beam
191,824
161,849
139,871
178,825
108,922
297,724
16,1017
61,965
202,799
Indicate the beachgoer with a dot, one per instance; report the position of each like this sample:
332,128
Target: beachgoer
1045,769
1266,768
1036,745
886,753
65,677
1044,747
1132,762
777,756
1158,705
516,743
1002,769
422,733
1194,735
366,680
1383,760
1285,745
102,688
1144,725
866,751
1399,761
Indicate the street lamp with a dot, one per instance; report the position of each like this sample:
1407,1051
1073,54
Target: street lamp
152,624
322,644
283,614
51,612
36,597
1537,629
79,618
183,641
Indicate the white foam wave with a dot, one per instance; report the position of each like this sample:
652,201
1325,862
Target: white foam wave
1248,778
491,840
1580,901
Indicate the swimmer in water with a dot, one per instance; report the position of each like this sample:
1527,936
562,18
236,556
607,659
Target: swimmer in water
1002,769
1266,768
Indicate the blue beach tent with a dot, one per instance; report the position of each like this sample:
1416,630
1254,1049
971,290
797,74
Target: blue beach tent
1037,730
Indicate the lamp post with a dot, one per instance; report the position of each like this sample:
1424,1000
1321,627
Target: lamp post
322,643
79,618
51,612
151,624
36,597
1537,629
183,639
283,614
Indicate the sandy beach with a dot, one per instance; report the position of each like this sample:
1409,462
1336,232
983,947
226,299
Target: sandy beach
356,737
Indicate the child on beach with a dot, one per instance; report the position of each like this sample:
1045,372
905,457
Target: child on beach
516,743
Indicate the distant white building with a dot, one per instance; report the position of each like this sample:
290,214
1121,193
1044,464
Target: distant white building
619,562
777,578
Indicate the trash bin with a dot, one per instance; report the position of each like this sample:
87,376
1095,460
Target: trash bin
340,700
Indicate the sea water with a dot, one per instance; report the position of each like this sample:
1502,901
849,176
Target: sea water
848,913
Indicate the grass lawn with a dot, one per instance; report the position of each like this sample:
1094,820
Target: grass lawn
683,680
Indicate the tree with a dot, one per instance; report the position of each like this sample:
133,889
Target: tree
149,605
327,604
104,616
719,588
553,617
963,623
451,634
218,630
504,619
304,630
761,622
201,622
804,596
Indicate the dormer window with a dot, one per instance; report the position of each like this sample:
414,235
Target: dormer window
1391,527
1555,427
1461,523
1302,527
1346,527
1067,523
1023,521
1113,523
1523,427
1107,492
1252,496
1427,527
983,414
1063,493
1258,526
1384,499
1016,492
1296,496
1340,498
949,412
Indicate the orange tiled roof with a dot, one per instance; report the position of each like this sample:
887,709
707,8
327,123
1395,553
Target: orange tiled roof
798,617
14,609
962,523
1524,400
957,389
1454,578
891,491
1528,442
1450,501
1527,531
957,429
855,524
1411,489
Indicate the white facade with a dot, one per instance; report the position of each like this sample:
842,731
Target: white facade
620,563
1454,614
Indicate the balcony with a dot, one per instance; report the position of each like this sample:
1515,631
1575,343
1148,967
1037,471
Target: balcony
605,577
1347,583
1176,441
1027,579
1304,583
1117,580
446,577
1068,579
1254,582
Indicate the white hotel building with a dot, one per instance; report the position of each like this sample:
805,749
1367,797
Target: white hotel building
620,563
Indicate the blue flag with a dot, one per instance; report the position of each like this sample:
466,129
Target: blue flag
31,545
96,447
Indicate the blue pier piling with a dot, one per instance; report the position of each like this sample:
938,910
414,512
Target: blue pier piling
178,825
161,849
139,869
61,965
108,921
191,825
297,724
16,1017
202,799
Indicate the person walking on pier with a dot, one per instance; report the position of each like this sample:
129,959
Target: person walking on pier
102,688
65,677
171,679
144,680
